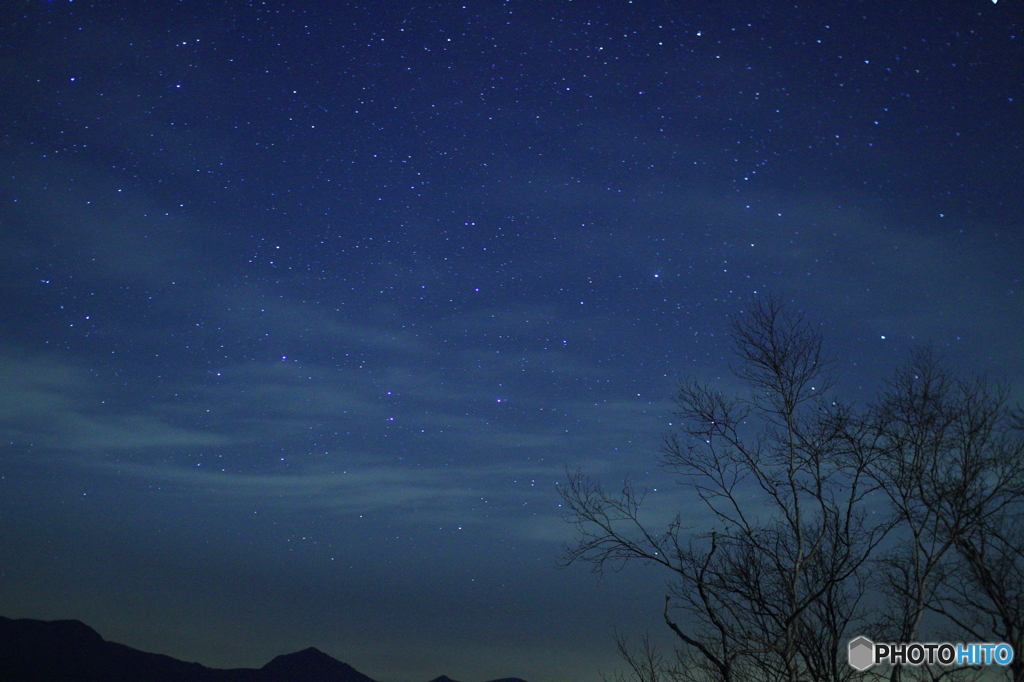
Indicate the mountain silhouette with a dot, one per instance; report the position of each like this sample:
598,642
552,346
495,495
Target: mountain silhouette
312,665
41,651
71,651
445,678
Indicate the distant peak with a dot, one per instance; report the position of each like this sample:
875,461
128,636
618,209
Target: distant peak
309,653
313,665
308,656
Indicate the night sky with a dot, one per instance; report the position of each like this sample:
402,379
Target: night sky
308,306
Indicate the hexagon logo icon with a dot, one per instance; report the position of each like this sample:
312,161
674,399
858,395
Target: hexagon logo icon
862,653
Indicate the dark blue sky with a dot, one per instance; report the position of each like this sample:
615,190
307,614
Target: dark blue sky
306,307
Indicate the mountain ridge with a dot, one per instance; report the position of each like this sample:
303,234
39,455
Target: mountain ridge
71,651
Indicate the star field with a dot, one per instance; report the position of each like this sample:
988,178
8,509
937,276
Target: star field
307,307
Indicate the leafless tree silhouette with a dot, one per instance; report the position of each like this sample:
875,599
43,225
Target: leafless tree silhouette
826,522
950,459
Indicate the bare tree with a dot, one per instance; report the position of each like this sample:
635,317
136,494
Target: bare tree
646,663
902,519
951,463
985,594
771,589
